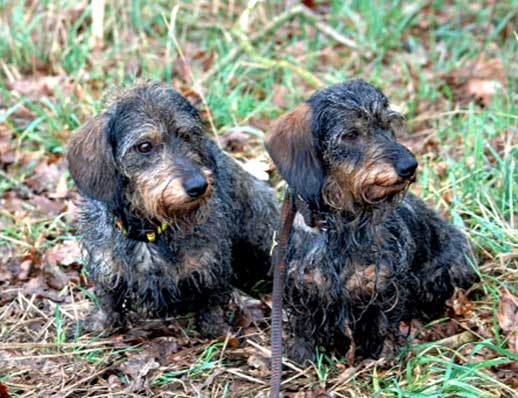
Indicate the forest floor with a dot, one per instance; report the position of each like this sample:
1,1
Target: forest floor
449,67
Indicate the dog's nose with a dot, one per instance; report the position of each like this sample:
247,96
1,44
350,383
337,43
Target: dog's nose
406,168
196,186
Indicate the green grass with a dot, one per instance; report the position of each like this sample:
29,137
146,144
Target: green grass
467,153
446,378
206,362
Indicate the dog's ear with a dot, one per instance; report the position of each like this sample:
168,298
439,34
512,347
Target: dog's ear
90,160
293,149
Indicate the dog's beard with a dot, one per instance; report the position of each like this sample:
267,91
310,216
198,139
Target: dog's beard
167,202
375,194
354,194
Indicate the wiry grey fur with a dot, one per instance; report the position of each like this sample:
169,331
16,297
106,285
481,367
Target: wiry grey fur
220,238
376,255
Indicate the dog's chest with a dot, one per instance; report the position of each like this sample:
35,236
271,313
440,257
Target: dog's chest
171,280
170,261
338,267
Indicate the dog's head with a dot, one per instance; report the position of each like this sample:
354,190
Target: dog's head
148,151
339,148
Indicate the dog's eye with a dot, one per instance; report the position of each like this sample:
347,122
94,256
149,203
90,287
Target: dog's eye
185,136
349,135
144,147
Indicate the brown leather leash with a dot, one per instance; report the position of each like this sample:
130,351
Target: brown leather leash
279,276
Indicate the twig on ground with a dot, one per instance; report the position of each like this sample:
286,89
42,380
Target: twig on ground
299,11
197,85
243,376
306,75
268,353
457,340
97,37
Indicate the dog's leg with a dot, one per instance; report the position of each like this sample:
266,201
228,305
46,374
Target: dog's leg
110,312
443,262
370,331
256,216
301,347
211,321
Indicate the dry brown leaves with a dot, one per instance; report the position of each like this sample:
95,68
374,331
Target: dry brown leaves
35,87
507,316
479,81
42,272
4,393
6,146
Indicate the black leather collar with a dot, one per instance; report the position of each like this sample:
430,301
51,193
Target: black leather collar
140,230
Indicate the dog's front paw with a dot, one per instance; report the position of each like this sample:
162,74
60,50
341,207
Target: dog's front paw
212,323
103,322
301,351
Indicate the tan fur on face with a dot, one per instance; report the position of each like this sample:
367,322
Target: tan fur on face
345,185
380,181
338,190
160,195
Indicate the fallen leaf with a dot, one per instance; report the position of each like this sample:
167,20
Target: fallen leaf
298,48
4,393
30,259
25,269
248,310
234,141
332,57
461,304
259,364
46,207
280,93
114,382
61,188
137,367
507,315
65,253
233,343
439,331
12,203
478,81
45,177
5,276
447,196
6,146
501,145
38,287
509,375
483,91
258,168
37,86
55,277
441,168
